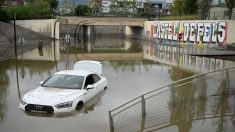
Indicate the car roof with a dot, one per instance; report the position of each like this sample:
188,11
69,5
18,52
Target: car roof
75,72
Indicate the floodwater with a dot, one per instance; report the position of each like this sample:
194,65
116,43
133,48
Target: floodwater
131,66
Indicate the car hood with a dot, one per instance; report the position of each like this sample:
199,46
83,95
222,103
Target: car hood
51,96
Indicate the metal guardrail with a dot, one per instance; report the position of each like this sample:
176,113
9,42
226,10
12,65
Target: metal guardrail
156,109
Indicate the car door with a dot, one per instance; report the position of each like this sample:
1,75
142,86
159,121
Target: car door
98,84
94,81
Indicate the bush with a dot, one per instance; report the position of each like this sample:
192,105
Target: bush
83,10
26,12
3,16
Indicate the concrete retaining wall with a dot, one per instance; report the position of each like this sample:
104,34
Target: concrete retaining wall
204,31
45,26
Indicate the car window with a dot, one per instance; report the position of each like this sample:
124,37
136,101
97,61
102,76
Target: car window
64,81
91,79
96,78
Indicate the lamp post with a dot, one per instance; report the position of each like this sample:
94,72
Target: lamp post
55,26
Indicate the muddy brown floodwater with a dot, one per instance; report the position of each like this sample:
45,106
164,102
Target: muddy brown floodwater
131,67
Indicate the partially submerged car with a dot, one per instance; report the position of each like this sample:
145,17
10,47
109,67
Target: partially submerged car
66,91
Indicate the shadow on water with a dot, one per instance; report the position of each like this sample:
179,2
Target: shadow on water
89,106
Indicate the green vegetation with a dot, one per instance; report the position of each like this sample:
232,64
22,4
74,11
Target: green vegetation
148,11
83,10
185,7
204,8
230,4
28,12
53,4
40,9
1,2
185,17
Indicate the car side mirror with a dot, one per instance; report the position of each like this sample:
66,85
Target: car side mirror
89,87
41,83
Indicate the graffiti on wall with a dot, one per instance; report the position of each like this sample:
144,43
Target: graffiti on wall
191,31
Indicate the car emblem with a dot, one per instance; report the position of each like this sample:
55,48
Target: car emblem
39,107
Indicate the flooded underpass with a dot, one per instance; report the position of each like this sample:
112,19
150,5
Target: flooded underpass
132,67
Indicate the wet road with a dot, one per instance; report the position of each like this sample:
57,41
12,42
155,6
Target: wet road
127,79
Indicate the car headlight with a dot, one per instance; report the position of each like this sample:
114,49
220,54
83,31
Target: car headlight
22,101
64,105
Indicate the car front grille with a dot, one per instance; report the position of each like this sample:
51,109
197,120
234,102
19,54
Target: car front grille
48,109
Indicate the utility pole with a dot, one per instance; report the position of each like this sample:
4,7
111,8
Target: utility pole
65,4
15,36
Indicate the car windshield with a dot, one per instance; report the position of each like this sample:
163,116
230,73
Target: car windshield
65,81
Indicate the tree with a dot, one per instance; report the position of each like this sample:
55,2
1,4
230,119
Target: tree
177,7
148,10
185,7
204,8
230,4
82,10
1,2
53,4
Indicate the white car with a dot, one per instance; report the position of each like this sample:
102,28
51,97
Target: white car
66,91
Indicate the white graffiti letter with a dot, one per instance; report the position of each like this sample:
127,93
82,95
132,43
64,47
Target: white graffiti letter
207,33
154,31
200,30
170,31
193,32
221,32
158,30
166,25
214,30
186,31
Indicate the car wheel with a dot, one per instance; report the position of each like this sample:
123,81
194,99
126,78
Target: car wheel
79,105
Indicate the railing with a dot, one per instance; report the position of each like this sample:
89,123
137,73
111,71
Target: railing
188,99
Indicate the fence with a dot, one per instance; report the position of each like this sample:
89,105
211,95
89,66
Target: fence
181,102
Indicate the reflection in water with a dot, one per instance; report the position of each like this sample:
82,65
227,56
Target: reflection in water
168,54
181,111
177,73
32,67
200,99
131,65
208,99
89,106
4,82
223,100
101,44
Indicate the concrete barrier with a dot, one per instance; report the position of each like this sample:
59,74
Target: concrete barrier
45,26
